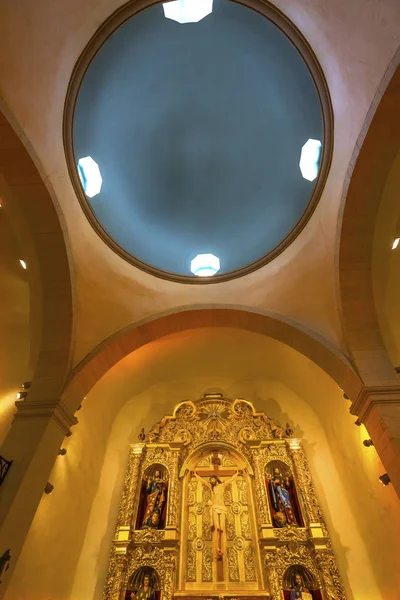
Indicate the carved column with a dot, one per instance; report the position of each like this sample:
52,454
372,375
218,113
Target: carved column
115,575
261,490
305,485
330,574
274,572
130,487
170,565
173,495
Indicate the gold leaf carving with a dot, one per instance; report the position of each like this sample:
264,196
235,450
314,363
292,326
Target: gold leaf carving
233,565
245,525
249,565
191,564
242,491
206,567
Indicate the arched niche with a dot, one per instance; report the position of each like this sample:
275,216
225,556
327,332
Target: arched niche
309,581
283,498
135,588
153,498
219,502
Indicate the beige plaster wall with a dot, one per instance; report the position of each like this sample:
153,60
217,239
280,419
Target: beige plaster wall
386,264
66,553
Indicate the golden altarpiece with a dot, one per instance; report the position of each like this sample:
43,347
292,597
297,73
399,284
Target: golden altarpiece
218,503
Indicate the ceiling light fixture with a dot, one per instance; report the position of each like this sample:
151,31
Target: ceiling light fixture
187,11
22,395
90,176
309,159
205,265
395,243
384,479
22,263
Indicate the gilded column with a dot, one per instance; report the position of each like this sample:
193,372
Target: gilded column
173,498
261,490
115,575
305,484
130,487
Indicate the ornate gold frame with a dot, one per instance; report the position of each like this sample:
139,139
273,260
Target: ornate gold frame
193,428
270,12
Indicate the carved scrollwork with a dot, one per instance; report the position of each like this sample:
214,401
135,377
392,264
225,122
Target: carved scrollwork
249,564
228,495
306,487
192,530
233,565
242,491
261,491
330,574
245,525
153,536
206,524
206,565
192,492
114,576
191,564
230,526
130,486
291,533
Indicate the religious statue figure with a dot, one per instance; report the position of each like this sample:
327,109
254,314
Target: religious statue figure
145,591
218,509
280,498
299,591
155,499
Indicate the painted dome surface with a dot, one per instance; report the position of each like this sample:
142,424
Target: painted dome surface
197,130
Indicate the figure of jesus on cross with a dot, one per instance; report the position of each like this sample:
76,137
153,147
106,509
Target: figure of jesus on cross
218,509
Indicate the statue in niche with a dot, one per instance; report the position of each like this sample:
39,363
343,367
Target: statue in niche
218,509
155,495
299,591
144,584
282,495
145,591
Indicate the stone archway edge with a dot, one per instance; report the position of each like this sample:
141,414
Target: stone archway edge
84,375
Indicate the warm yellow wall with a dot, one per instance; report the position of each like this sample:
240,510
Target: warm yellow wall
14,322
66,553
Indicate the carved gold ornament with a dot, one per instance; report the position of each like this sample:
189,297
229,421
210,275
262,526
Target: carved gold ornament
215,433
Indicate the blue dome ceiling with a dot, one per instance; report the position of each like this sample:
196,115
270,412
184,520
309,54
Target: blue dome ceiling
197,130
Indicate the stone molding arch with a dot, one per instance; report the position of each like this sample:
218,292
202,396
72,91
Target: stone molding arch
34,215
102,358
373,156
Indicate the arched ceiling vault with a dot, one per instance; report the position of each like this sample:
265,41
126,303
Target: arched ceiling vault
86,374
367,176
35,224
354,45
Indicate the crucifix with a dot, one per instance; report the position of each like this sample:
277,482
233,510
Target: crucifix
218,509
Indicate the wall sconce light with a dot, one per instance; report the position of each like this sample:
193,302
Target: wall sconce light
49,488
22,395
26,385
62,452
358,423
368,443
384,479
68,434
